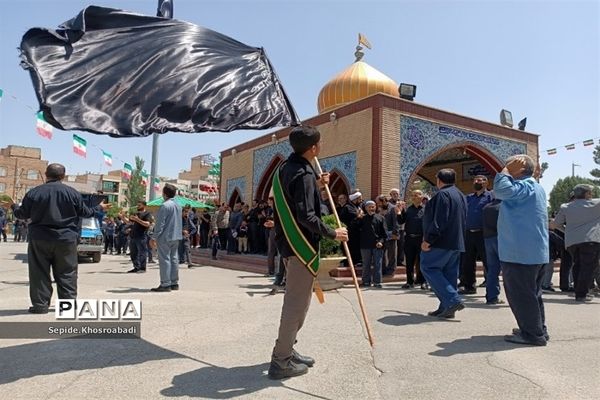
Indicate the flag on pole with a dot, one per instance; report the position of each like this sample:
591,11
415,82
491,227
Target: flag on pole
156,184
551,152
144,178
1,93
570,146
362,39
43,128
588,142
79,146
90,77
107,158
127,171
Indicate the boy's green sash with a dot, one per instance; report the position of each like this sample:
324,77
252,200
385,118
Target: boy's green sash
301,247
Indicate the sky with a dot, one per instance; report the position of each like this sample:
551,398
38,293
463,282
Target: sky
538,59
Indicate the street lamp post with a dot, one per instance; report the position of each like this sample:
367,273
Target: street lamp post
573,165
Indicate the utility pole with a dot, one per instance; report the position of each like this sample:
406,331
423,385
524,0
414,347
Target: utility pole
165,10
573,165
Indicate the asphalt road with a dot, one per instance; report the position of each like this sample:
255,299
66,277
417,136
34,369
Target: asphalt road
212,339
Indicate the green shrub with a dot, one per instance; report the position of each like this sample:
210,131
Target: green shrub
330,247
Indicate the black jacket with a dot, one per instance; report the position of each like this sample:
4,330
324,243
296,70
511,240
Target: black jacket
412,219
54,210
299,183
372,231
445,218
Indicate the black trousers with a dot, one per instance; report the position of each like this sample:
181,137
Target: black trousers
139,252
204,237
412,250
223,236
523,288
354,246
400,256
61,257
474,247
108,243
585,263
566,264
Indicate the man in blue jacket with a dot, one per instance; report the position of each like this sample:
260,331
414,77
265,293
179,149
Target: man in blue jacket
523,247
443,241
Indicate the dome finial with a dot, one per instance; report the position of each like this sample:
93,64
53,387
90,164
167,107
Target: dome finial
362,39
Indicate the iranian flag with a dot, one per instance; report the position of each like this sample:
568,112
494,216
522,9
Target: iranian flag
79,146
1,93
43,128
107,158
156,184
570,146
588,142
127,171
144,178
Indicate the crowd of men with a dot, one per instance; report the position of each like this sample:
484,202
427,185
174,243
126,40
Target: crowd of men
439,238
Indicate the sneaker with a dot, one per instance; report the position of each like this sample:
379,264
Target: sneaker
435,313
449,312
586,298
175,287
190,265
407,286
495,301
365,285
549,289
140,271
468,290
132,271
292,369
378,285
424,286
161,289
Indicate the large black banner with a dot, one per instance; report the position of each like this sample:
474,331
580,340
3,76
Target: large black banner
113,72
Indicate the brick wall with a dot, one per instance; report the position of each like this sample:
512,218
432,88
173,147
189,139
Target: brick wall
349,133
15,179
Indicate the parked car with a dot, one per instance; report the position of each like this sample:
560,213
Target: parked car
90,239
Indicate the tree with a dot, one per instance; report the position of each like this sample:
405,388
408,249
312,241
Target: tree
561,191
114,210
596,172
136,191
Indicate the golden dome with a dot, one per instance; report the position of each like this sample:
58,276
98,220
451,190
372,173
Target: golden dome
357,81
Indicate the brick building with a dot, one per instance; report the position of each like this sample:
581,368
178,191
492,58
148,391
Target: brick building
374,141
21,168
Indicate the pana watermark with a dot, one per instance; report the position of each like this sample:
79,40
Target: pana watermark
98,309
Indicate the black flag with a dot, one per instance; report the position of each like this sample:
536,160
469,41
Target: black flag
113,72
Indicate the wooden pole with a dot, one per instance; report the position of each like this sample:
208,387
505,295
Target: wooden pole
350,263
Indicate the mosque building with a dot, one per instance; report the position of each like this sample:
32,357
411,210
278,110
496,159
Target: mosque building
374,140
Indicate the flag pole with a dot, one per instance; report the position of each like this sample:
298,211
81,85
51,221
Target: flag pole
350,263
165,10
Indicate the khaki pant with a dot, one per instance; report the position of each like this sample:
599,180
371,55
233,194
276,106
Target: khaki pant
298,292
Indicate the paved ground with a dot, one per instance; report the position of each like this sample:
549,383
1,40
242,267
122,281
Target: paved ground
213,339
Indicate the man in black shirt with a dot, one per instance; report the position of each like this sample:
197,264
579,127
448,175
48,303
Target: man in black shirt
297,212
55,210
412,218
139,241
